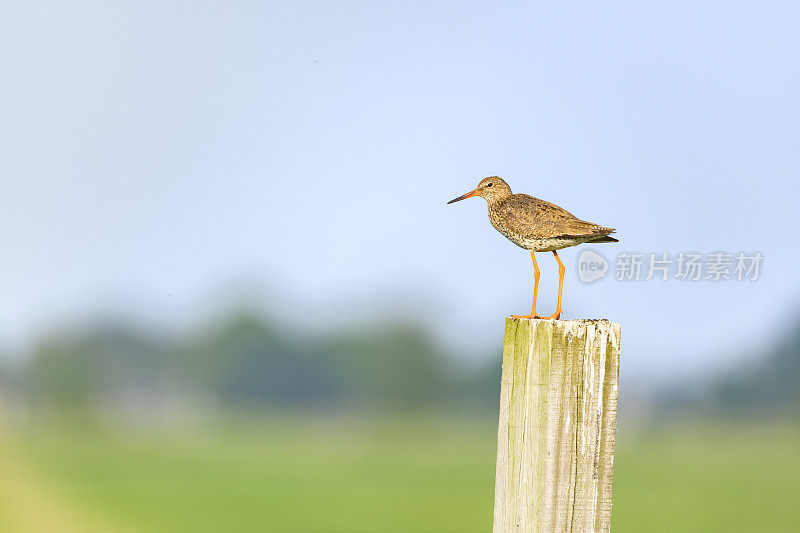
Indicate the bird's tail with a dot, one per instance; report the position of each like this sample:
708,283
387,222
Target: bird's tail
604,238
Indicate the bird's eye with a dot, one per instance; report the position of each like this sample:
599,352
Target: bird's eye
489,184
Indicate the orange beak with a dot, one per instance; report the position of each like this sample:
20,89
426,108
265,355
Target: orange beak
470,194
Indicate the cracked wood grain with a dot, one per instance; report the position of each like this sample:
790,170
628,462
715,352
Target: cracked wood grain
558,416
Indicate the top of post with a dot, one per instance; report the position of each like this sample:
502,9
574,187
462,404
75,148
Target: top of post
585,321
582,327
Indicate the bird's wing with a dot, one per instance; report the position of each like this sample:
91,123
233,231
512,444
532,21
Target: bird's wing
539,219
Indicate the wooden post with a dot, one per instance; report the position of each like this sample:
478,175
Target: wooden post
558,417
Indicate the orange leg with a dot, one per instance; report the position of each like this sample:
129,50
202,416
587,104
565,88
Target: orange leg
535,291
561,271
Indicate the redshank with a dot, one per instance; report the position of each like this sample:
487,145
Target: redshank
536,225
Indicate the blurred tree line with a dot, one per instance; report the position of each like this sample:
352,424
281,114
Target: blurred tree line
763,384
247,361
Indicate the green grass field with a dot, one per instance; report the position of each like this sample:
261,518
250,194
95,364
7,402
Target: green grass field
349,476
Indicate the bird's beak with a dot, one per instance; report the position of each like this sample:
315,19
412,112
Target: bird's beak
470,194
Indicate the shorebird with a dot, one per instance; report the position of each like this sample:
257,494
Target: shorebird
536,225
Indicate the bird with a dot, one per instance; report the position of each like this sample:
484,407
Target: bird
537,226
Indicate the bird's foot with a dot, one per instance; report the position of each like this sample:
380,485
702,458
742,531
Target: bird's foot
536,316
554,316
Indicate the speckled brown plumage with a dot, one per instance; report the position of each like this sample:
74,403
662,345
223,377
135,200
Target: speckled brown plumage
540,226
536,225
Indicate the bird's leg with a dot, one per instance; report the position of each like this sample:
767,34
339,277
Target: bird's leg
535,285
561,271
535,291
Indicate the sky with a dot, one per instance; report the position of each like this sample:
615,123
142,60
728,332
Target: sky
159,157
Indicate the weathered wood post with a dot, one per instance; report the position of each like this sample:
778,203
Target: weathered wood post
558,418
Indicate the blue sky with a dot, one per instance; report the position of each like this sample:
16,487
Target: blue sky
155,156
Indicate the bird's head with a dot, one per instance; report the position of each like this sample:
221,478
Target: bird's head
491,189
